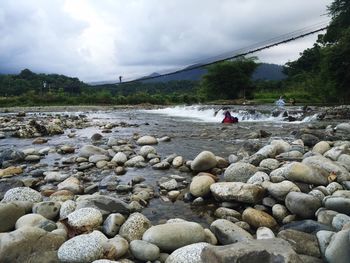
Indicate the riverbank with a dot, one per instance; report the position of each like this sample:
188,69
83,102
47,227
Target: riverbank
111,186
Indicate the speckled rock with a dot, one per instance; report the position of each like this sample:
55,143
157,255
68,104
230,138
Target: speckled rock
9,213
135,226
187,254
85,219
67,207
269,163
258,178
239,172
171,236
143,250
83,248
29,244
236,191
22,194
204,161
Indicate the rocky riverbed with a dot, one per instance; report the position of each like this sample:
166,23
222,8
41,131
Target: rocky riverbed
126,186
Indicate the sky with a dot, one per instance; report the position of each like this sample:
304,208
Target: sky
100,40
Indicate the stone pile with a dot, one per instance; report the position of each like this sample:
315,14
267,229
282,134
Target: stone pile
287,202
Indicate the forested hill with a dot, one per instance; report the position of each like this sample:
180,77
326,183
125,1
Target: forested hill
264,71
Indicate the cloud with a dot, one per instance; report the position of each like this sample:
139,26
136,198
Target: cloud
100,40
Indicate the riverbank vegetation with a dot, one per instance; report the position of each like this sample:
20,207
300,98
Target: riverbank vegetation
320,75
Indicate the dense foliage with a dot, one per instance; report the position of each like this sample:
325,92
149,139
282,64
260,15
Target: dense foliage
324,70
228,80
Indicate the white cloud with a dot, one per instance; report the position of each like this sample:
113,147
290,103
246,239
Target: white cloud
102,39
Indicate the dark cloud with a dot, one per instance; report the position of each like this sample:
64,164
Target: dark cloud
100,40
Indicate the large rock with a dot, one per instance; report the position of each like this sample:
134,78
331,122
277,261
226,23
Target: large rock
200,185
120,158
171,236
264,250
236,191
300,172
35,220
187,254
302,243
11,155
22,194
303,205
29,244
307,226
48,209
228,232
321,147
85,219
280,190
257,218
337,203
135,226
204,161
89,150
329,166
338,249
83,248
9,213
239,172
143,250
147,140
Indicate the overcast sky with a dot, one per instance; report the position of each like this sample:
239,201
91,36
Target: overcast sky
97,40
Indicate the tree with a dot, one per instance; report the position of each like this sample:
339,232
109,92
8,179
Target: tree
228,79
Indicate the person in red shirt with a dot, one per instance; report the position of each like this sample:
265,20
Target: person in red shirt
229,119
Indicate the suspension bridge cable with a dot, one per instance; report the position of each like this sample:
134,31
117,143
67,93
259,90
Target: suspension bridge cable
289,37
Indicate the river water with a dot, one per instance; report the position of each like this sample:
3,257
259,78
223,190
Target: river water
192,129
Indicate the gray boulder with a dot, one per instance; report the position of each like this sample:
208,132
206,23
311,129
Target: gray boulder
171,236
303,205
29,244
9,213
239,172
236,191
204,161
228,232
264,250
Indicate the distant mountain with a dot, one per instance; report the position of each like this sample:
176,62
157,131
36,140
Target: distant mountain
267,71
263,72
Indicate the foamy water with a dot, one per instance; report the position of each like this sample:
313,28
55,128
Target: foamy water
205,114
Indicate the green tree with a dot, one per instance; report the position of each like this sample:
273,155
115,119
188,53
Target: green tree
228,79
